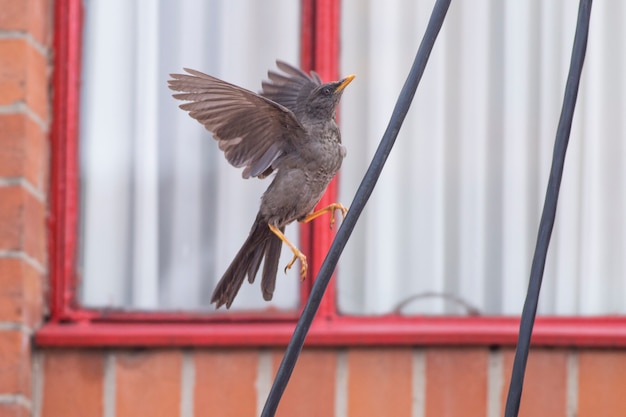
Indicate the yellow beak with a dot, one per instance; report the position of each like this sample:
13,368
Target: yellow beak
344,83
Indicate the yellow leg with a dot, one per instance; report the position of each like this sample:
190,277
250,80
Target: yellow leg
296,252
330,208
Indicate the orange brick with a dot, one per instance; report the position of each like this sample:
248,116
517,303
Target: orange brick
34,230
456,382
379,382
14,410
601,382
23,149
13,15
148,383
12,145
32,16
22,222
15,360
21,297
23,76
37,71
11,218
37,155
73,383
13,75
311,389
225,383
545,383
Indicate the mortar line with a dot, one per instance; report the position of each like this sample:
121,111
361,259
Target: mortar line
188,382
263,381
341,384
20,107
571,405
24,183
21,255
109,386
28,37
495,383
20,399
37,376
418,383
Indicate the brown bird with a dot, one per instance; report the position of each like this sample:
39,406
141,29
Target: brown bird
288,129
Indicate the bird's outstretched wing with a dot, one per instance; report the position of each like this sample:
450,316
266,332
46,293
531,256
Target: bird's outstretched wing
251,130
290,88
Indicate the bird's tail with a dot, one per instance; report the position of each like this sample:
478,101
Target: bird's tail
261,244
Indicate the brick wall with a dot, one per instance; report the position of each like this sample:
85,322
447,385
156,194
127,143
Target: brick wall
25,38
357,382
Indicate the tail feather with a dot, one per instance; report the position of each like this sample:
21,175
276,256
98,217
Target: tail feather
270,267
254,264
261,243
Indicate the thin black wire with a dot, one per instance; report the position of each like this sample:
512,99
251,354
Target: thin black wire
362,195
549,209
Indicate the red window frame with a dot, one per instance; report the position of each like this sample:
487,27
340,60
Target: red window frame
72,325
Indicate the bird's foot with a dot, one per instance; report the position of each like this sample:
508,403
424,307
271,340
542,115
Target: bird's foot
337,206
296,252
304,266
330,208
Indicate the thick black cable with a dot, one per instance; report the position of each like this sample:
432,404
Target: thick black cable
362,195
549,210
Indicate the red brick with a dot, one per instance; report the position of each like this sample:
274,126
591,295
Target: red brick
13,75
37,157
32,16
545,383
14,410
311,389
456,382
22,222
11,218
148,383
34,231
15,360
37,82
23,149
23,76
225,382
21,296
601,382
12,145
73,383
379,382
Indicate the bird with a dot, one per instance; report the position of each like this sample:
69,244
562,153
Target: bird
288,130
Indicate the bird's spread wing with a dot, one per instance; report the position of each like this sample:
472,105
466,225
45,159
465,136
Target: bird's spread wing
251,130
290,88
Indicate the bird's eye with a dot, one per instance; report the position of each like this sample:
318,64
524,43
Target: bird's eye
327,91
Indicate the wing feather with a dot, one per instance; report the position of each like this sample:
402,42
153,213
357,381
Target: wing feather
290,88
253,131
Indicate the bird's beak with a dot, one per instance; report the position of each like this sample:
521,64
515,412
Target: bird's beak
344,83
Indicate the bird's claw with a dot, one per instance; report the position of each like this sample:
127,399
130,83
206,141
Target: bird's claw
337,206
303,268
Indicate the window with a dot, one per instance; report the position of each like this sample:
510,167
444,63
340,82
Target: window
452,222
162,211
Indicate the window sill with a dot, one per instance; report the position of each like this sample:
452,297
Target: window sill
341,331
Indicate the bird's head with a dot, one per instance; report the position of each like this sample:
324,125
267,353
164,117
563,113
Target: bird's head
323,100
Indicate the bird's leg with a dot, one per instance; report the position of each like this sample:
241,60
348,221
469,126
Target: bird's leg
330,208
296,252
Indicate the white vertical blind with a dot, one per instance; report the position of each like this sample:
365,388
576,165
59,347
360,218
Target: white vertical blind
162,213
455,214
146,208
454,217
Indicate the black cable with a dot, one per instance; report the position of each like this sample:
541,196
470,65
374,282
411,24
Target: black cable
549,210
361,197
